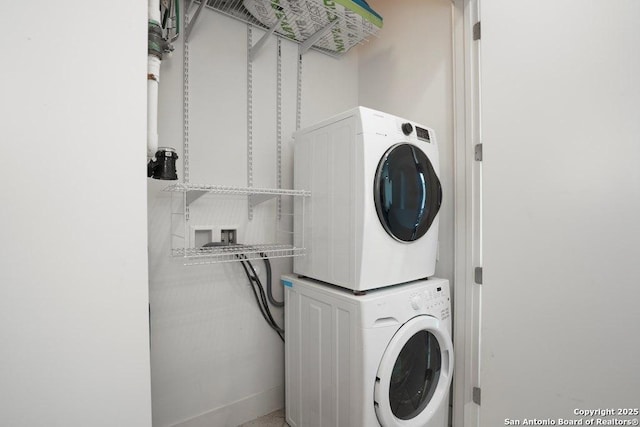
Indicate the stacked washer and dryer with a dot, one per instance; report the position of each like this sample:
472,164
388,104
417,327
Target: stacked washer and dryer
368,329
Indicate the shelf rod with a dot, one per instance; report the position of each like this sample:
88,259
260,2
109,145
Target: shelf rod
249,119
194,18
256,47
313,39
279,124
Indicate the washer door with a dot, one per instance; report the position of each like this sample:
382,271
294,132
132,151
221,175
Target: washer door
414,374
407,192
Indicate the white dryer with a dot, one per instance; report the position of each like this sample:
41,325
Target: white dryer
380,359
372,218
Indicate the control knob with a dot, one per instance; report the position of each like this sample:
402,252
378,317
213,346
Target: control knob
415,302
407,128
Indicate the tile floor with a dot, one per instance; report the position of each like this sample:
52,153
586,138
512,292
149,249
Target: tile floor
274,419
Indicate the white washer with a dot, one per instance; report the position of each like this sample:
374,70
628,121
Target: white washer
380,359
372,218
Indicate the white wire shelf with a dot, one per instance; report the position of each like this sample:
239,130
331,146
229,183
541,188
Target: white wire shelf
234,253
256,195
226,189
186,217
328,27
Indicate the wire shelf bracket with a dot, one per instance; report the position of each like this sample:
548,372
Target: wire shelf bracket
308,43
253,50
193,195
193,20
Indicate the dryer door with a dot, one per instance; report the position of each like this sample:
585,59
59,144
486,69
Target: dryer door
407,192
415,374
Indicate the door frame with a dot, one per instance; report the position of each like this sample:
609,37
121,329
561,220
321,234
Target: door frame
467,211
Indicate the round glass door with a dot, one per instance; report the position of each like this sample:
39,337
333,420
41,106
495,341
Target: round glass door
407,192
414,374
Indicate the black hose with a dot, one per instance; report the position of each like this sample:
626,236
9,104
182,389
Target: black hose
260,300
255,293
263,297
257,288
267,265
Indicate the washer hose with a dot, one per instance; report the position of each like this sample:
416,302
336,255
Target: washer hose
256,286
272,300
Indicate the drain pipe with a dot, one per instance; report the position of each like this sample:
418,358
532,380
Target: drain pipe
153,76
160,161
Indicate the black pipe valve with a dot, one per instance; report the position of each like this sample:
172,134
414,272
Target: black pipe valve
164,164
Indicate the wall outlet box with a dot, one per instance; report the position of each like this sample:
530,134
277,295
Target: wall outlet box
229,236
203,234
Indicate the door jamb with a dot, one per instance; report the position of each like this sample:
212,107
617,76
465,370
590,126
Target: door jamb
467,211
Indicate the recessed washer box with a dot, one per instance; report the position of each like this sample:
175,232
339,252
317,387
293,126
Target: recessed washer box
203,234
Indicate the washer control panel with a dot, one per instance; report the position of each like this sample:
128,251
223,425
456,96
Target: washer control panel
431,300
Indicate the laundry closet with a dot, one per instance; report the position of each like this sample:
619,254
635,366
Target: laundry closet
214,359
120,305
213,355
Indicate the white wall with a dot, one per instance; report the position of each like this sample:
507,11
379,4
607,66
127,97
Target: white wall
408,71
561,177
73,275
214,359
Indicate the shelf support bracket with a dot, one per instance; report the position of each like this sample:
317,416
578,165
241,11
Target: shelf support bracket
313,39
256,199
193,195
253,52
194,18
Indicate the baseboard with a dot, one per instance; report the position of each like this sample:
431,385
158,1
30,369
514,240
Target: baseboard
240,411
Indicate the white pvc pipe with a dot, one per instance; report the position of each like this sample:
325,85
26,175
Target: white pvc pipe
154,10
153,79
152,105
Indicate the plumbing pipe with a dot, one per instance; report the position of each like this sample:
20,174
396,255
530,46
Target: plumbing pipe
154,11
153,76
153,79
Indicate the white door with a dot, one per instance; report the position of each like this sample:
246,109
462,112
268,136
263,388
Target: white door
414,374
560,87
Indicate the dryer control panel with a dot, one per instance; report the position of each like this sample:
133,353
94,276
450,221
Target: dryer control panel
421,133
